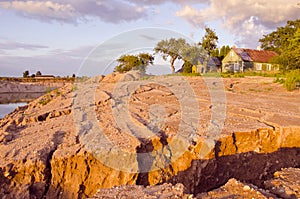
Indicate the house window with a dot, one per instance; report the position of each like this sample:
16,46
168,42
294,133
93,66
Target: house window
269,66
231,54
258,66
236,67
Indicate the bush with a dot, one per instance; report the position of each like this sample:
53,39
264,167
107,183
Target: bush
292,80
239,75
187,67
279,80
45,100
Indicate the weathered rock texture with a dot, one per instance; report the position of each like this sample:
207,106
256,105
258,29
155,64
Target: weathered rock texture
159,191
285,184
44,154
29,87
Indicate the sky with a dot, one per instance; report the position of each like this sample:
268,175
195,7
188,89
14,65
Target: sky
65,37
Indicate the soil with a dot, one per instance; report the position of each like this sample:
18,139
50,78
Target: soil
179,137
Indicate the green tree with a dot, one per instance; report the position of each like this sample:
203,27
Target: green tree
192,56
25,73
171,48
209,41
278,40
38,73
227,49
222,52
285,41
187,67
216,53
134,62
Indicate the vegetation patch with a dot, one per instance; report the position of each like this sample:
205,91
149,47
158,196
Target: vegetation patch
292,80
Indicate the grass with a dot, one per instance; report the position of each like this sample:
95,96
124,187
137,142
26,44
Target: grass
185,74
292,80
279,80
264,73
45,100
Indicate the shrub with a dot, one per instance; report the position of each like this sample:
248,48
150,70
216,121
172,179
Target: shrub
238,75
292,80
279,80
45,100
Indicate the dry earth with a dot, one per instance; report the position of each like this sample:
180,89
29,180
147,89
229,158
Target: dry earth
74,141
28,87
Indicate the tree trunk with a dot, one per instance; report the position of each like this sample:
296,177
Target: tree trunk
172,64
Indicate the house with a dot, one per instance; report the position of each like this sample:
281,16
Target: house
241,59
213,64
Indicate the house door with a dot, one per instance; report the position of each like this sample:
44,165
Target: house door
236,67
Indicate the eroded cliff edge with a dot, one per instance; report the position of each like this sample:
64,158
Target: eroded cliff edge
42,153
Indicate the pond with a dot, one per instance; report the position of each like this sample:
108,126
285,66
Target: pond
10,101
7,108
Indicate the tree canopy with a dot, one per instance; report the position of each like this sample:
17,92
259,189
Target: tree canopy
135,62
26,74
38,73
193,55
221,53
171,48
285,41
278,40
209,41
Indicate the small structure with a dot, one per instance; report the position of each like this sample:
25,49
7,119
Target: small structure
212,65
44,76
241,59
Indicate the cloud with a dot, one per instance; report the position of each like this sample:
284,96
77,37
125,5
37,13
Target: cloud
57,62
157,2
248,19
43,10
17,45
74,11
70,11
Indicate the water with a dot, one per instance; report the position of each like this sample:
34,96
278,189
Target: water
7,108
10,101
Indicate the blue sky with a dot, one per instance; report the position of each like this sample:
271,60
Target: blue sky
55,36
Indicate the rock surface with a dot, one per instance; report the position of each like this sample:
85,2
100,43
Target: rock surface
28,87
286,183
159,191
72,142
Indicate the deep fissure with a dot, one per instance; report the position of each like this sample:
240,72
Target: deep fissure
250,168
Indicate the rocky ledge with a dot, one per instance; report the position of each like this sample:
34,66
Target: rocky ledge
29,87
285,184
55,148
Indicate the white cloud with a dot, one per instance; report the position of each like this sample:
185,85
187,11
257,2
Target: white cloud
73,11
17,45
182,2
45,10
247,19
56,62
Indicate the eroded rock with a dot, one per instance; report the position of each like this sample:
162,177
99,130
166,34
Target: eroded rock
42,154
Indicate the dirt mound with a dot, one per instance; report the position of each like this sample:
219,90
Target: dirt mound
73,141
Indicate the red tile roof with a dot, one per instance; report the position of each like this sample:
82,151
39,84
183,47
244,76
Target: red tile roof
262,56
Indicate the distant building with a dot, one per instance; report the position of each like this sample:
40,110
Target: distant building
241,59
44,76
213,65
